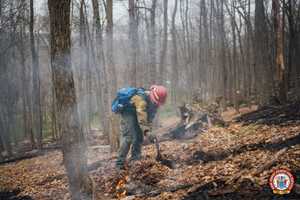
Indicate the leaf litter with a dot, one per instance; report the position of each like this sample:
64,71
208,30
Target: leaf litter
221,163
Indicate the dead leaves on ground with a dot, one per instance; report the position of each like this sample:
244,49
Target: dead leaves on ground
231,159
220,161
34,177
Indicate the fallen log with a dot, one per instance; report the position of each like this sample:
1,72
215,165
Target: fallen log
196,114
30,154
282,114
25,156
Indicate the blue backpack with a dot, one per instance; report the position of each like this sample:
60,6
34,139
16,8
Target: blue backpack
123,97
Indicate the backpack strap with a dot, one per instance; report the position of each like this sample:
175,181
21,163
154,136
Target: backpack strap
141,92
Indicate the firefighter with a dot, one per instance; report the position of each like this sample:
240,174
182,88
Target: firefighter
136,121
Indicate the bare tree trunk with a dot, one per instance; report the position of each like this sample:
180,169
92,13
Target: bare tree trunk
223,52
293,46
174,58
74,145
24,88
280,65
90,62
84,70
26,92
0,10
162,67
152,43
112,77
37,115
133,39
102,92
4,133
54,128
204,52
154,74
261,64
5,104
1,145
110,49
234,59
248,52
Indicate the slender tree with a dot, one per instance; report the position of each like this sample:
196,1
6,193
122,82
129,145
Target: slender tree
261,57
101,71
165,43
174,57
280,64
26,94
133,39
112,75
152,43
37,112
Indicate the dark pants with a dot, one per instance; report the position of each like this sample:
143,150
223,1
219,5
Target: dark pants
130,136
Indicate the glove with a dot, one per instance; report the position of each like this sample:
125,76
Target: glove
152,137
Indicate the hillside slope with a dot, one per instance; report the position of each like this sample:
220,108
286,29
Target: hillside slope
221,163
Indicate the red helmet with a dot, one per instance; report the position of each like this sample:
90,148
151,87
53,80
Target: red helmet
158,94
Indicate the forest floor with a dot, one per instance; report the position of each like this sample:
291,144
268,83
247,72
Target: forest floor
233,162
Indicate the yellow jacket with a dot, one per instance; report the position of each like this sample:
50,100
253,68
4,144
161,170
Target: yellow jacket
140,105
